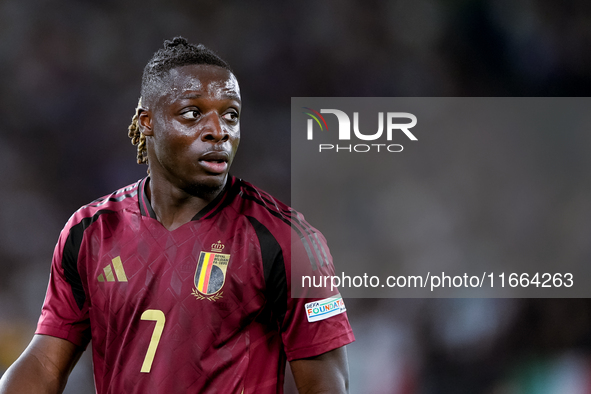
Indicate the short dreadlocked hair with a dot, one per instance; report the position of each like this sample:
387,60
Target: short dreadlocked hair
177,52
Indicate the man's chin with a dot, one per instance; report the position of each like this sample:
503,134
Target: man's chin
207,188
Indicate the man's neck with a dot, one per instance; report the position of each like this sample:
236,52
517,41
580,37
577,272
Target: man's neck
173,206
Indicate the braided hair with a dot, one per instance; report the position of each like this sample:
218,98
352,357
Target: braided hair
177,52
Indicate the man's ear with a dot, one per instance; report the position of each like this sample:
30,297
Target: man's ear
145,121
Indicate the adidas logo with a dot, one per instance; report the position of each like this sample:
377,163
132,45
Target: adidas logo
119,272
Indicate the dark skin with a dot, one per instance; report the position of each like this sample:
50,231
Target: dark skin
192,132
43,368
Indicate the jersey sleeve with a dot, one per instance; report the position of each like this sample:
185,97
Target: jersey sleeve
65,309
315,320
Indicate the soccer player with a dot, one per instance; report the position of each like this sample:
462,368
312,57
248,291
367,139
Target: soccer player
182,279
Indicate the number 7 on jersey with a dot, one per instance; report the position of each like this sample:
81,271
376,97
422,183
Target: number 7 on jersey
157,316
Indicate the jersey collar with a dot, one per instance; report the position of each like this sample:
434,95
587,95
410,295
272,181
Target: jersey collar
211,209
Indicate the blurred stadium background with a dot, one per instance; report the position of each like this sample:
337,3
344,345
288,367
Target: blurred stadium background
70,76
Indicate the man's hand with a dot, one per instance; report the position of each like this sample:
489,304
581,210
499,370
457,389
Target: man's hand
43,368
327,373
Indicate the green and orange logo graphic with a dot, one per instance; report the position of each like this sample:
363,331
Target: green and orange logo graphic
314,116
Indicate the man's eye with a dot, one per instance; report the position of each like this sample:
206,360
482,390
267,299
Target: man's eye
190,115
232,116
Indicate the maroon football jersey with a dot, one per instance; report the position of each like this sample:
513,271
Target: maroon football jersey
205,308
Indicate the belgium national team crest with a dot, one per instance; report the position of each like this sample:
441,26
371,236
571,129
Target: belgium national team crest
210,274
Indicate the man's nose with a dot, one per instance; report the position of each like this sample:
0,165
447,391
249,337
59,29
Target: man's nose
213,129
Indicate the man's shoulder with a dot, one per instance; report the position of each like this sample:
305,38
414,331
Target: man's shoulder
268,210
252,201
123,199
256,197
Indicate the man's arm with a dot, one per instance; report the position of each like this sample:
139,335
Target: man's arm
326,373
43,368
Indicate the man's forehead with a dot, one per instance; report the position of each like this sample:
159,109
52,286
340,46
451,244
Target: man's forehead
203,78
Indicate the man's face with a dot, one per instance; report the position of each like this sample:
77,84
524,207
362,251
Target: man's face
194,128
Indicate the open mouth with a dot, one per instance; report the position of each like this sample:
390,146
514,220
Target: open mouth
214,166
214,162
